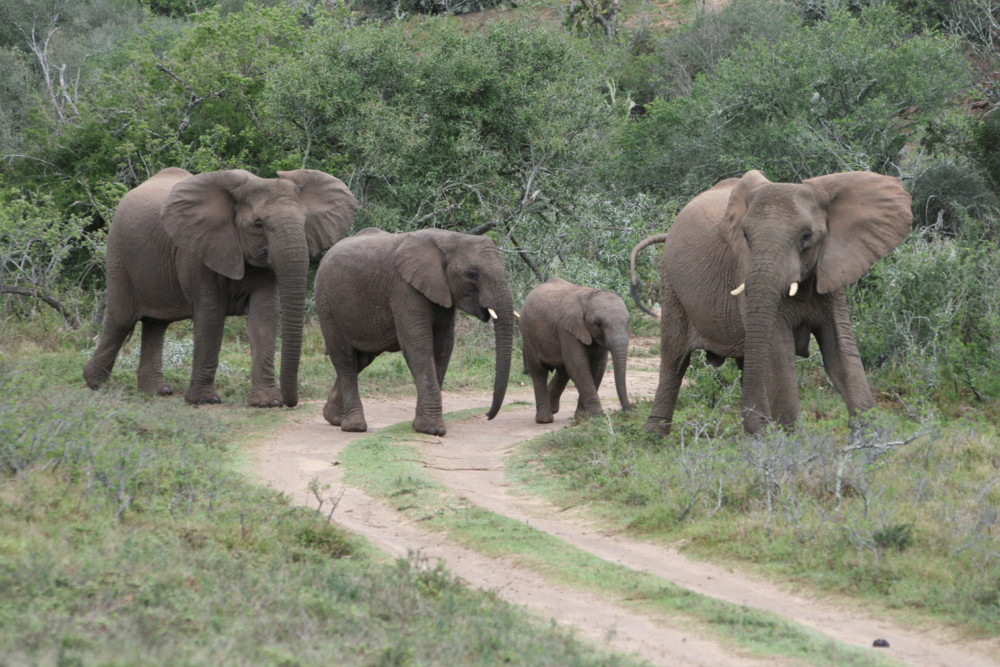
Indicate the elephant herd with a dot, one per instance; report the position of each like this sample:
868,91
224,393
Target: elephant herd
750,270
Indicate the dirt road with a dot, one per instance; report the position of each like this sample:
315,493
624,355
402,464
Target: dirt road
470,460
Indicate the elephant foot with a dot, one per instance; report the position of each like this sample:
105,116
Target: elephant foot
265,398
195,397
93,376
156,387
430,426
543,418
331,414
353,424
657,427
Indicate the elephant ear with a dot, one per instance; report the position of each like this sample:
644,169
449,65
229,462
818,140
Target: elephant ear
571,317
736,208
199,216
422,263
330,207
869,215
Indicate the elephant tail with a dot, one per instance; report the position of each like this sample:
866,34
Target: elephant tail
636,282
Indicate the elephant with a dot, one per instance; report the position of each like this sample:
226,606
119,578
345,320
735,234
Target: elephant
750,269
385,292
570,329
216,244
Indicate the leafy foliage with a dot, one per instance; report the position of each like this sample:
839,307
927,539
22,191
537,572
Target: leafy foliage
799,107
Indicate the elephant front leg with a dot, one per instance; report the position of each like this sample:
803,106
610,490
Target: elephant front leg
429,416
842,361
557,385
586,368
150,371
782,386
209,323
262,330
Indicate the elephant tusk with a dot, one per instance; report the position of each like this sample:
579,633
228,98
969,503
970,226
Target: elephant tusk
492,313
739,290
793,289
517,314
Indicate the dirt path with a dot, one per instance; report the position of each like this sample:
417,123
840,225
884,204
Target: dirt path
470,460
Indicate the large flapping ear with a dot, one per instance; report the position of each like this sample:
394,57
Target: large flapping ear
330,207
421,263
198,215
869,215
571,317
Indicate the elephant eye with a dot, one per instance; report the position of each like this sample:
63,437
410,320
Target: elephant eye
806,238
599,324
258,224
472,275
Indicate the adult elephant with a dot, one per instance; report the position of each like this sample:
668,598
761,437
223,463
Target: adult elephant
570,329
750,269
380,292
216,244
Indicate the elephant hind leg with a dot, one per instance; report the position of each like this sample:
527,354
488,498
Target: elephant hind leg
344,402
333,411
150,371
556,387
118,327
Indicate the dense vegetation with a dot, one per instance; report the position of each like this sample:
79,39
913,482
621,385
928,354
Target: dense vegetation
565,131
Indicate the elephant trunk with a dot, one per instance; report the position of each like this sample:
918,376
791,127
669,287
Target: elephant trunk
619,357
291,265
764,291
503,327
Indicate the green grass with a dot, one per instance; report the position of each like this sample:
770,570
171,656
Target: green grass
912,525
129,534
386,465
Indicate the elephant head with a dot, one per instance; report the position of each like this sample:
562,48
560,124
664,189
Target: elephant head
466,272
232,219
797,241
600,316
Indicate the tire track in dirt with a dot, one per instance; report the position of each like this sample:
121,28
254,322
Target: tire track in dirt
470,460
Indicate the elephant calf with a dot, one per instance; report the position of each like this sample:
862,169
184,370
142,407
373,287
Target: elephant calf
570,329
380,292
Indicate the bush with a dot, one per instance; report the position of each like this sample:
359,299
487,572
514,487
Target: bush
929,310
843,94
947,193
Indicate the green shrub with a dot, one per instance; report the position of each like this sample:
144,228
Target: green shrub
843,94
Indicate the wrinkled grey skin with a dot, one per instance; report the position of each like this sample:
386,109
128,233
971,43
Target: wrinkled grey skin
379,292
216,244
571,329
822,234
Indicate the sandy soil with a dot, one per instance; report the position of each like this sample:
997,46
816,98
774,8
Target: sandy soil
470,459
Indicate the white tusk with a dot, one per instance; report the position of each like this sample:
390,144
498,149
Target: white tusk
492,313
793,289
517,314
739,290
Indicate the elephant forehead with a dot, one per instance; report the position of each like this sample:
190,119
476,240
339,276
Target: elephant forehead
786,200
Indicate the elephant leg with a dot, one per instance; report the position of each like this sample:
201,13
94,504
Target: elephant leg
262,330
582,368
444,344
556,387
543,408
343,405
842,361
418,347
675,356
150,371
782,386
118,325
209,324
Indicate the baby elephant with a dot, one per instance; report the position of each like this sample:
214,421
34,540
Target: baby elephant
570,329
